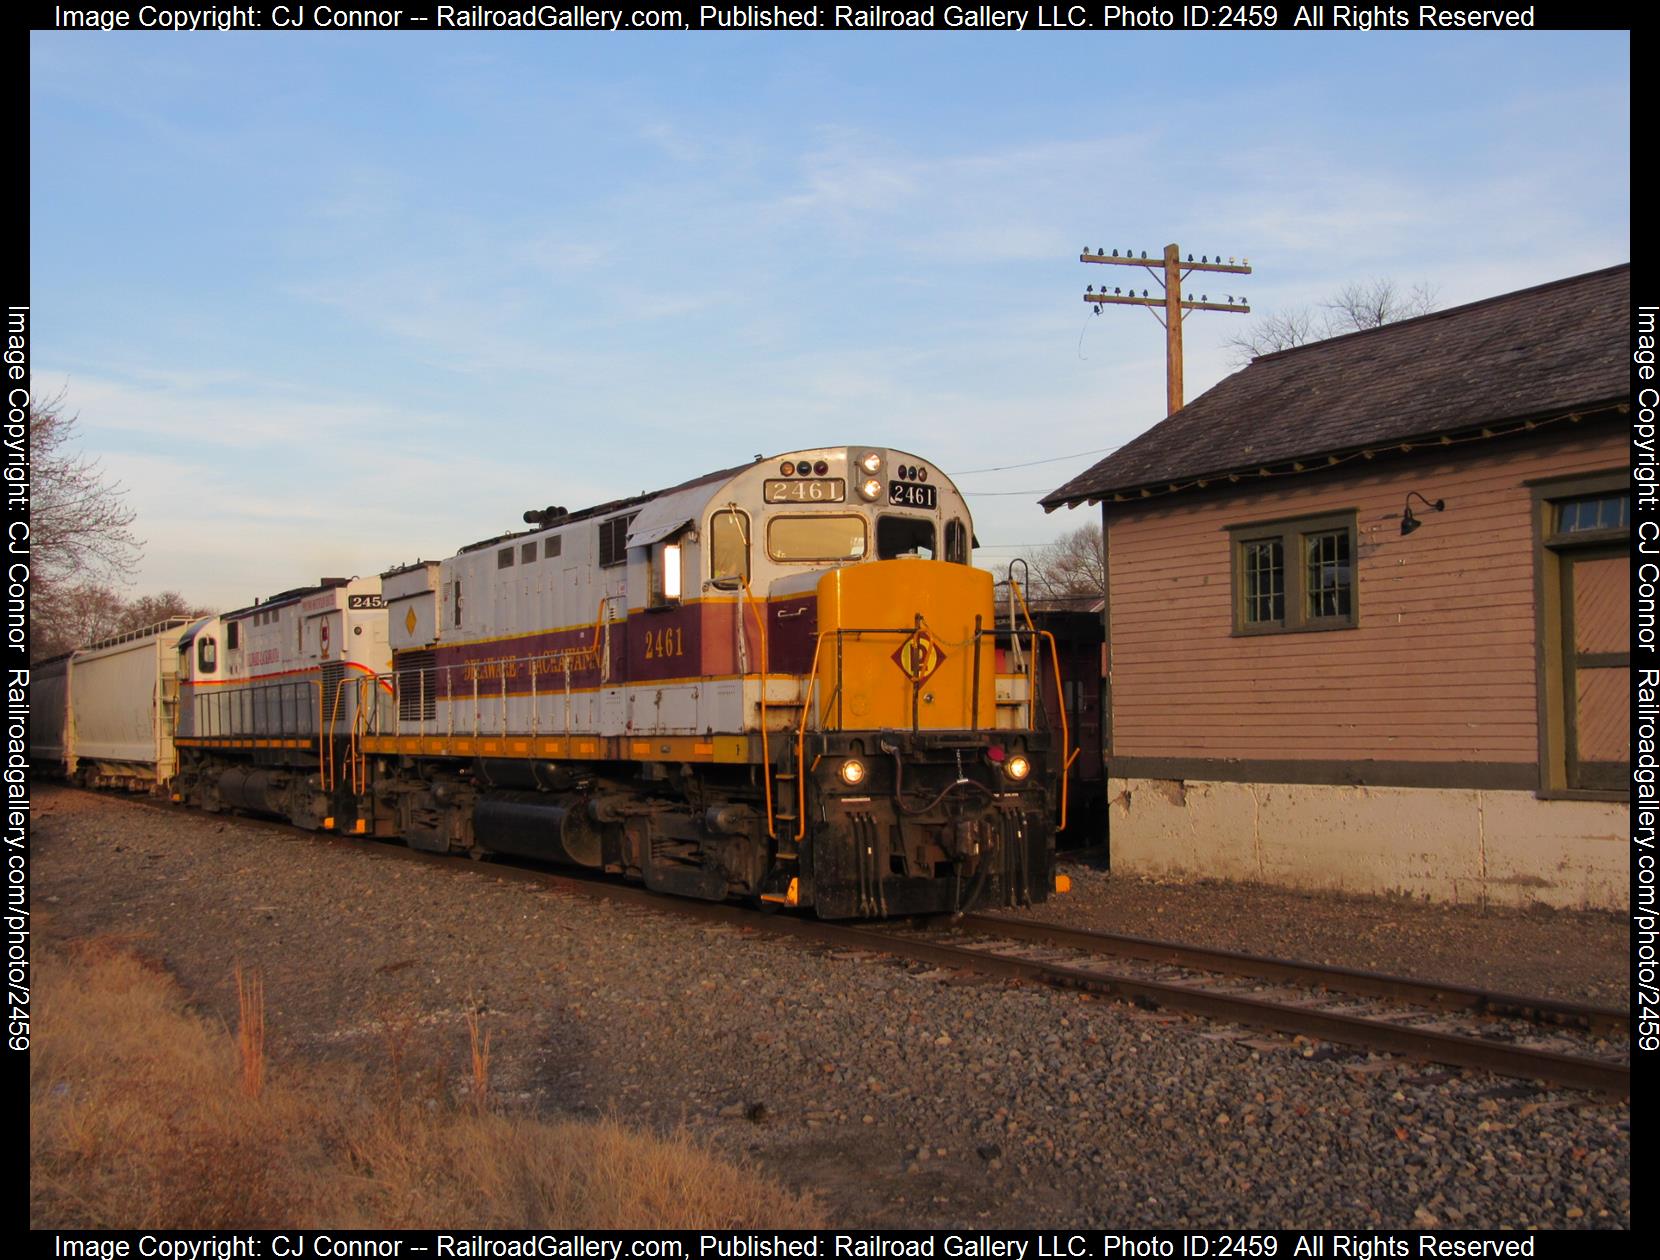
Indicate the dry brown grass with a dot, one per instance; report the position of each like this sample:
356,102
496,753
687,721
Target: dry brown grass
250,1030
145,1116
478,1057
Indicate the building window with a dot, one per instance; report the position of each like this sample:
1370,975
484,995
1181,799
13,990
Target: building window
1329,574
1294,575
1594,514
1264,582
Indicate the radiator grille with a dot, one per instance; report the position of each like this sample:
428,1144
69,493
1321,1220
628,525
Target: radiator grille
417,686
336,716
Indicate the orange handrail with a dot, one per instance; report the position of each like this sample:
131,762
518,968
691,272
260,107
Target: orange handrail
801,739
334,717
766,744
1068,754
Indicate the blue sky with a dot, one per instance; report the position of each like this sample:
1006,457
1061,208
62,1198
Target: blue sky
327,303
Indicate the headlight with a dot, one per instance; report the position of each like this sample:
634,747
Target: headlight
871,462
871,489
1017,767
853,772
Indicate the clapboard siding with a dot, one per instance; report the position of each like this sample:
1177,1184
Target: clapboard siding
1441,666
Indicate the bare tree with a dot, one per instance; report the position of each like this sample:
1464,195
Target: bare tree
80,536
1353,308
148,610
1070,567
80,526
65,617
1357,307
68,617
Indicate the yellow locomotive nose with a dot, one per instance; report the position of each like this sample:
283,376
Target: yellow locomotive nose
908,653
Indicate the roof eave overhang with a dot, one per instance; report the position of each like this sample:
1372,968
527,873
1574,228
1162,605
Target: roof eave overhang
1318,461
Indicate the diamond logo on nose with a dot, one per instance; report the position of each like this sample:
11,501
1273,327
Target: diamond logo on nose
919,656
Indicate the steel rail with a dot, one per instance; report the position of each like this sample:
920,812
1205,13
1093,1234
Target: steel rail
1597,1019
1612,1080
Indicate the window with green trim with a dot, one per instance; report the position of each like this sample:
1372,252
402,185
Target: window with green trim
1294,575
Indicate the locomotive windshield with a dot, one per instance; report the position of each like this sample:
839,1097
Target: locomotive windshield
904,536
816,537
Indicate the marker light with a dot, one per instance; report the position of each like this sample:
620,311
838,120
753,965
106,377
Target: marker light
871,462
786,469
1017,767
820,468
871,489
853,772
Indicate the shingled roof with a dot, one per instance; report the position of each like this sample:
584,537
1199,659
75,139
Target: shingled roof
1550,349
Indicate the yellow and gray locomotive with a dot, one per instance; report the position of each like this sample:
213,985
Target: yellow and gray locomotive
781,681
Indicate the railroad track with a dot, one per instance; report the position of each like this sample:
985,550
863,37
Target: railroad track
1560,1043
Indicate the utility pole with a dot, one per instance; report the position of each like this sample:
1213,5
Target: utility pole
1171,275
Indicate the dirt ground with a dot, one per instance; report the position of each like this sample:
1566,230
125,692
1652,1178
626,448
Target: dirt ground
1582,956
597,1009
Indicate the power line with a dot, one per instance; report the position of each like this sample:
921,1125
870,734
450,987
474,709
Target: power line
1100,450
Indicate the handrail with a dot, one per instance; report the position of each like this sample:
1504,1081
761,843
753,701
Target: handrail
334,717
766,744
565,657
1066,730
360,728
1031,667
322,753
801,737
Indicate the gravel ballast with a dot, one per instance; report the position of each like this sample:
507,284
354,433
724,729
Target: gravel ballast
900,1095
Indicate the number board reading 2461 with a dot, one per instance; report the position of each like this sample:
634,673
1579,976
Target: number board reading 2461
812,490
910,494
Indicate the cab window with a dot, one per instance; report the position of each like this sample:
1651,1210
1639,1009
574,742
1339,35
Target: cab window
666,560
207,655
956,542
801,538
729,546
904,536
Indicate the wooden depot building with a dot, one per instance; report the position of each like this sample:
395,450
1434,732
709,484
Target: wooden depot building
1368,613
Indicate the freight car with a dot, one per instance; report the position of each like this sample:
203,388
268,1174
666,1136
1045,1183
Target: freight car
781,681
104,714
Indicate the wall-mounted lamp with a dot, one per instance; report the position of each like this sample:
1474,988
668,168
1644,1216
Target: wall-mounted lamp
1410,522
